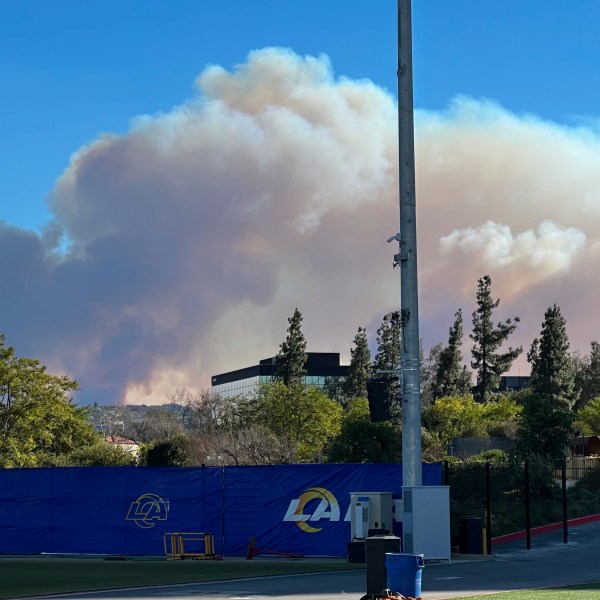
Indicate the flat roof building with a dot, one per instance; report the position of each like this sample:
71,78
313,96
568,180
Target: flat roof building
319,367
513,383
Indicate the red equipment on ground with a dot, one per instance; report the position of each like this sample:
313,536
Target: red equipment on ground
253,551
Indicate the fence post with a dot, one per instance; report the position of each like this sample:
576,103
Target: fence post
223,485
527,506
488,510
564,499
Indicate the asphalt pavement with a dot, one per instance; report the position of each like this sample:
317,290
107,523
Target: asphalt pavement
549,563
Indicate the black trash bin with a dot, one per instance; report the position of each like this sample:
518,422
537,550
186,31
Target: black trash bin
376,548
470,535
356,551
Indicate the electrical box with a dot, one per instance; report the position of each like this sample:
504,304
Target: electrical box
426,521
370,510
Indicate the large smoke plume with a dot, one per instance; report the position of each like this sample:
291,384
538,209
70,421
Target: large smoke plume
179,249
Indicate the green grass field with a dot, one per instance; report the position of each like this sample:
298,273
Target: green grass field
51,575
575,592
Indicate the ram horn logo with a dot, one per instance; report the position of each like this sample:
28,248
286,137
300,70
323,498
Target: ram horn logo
148,509
327,500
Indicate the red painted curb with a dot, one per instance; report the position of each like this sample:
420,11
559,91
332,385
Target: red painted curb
520,535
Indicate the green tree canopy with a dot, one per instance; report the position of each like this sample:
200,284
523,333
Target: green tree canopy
389,334
429,367
588,418
291,357
552,376
451,377
502,415
303,415
488,361
100,454
389,358
455,416
544,430
587,377
170,452
460,416
361,441
546,421
37,415
359,371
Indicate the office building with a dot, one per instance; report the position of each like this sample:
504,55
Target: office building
319,367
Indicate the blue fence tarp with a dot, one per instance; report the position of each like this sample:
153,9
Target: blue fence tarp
302,509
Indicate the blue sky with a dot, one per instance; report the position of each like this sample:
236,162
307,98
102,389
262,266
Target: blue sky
263,185
72,69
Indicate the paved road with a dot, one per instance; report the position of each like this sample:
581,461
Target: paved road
549,563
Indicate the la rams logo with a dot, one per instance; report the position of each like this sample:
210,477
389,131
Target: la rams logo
148,509
327,508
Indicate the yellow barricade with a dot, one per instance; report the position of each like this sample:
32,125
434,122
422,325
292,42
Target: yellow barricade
194,545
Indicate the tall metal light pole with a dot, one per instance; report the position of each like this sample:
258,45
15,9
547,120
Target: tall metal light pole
407,257
426,517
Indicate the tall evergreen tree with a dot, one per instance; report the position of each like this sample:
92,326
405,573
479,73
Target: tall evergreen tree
429,367
587,377
551,373
452,378
488,362
546,421
291,357
389,337
389,358
359,371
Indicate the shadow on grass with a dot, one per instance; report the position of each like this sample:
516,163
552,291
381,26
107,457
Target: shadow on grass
51,575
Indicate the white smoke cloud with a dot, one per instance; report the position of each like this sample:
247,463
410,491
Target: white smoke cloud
548,251
192,237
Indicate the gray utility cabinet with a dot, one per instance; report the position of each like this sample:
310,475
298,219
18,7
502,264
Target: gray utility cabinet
426,521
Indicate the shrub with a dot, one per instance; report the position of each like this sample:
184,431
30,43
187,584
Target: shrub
495,457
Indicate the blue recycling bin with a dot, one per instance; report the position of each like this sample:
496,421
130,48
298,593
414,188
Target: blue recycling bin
404,573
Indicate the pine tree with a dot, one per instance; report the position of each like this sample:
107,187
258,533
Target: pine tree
452,378
487,361
551,372
359,371
388,358
389,337
291,357
429,367
587,378
546,421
